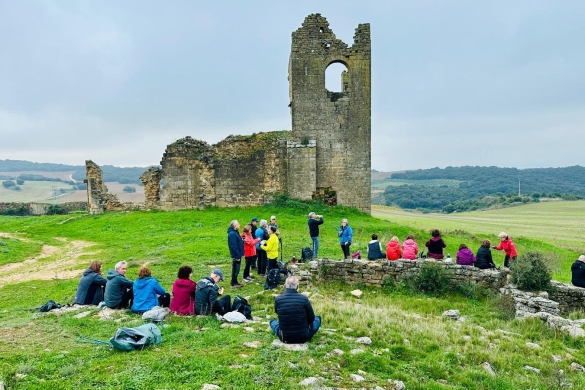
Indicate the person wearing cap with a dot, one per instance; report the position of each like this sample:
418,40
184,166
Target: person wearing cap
254,226
206,301
274,224
578,272
236,247
508,246
314,222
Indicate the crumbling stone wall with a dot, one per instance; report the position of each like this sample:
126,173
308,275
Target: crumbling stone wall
570,298
98,198
151,181
339,122
373,273
41,208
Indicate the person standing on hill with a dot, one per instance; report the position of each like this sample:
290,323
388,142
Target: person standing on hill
271,247
409,248
578,272
274,224
262,234
254,227
393,251
508,246
236,247
314,222
484,256
249,251
345,236
435,245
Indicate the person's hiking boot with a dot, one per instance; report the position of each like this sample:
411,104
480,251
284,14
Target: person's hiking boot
238,285
246,280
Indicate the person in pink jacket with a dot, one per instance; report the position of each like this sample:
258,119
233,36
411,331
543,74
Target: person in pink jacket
249,251
409,248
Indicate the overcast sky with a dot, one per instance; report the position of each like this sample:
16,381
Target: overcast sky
453,82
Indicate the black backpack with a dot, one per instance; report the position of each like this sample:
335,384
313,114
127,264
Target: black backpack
272,279
306,254
241,305
50,305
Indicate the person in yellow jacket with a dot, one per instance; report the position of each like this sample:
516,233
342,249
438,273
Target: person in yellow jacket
271,247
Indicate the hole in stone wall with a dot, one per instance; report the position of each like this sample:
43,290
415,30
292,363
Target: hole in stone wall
333,80
321,30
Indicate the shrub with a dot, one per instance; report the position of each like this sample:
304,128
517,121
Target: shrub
17,210
129,189
471,290
8,183
506,304
431,279
530,271
19,182
55,209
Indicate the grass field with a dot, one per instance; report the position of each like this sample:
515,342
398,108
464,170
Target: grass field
411,341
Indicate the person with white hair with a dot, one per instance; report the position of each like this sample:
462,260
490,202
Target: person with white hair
118,294
345,236
508,246
262,234
297,322
314,222
578,272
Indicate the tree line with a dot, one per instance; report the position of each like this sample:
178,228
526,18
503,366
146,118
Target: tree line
484,187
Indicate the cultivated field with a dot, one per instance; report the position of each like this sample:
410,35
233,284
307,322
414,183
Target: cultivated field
41,258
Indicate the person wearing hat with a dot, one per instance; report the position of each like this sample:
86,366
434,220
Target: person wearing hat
578,272
508,246
254,226
206,301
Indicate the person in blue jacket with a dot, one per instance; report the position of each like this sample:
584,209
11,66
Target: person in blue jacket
236,246
148,293
345,236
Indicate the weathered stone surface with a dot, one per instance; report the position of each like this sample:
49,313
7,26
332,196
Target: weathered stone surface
453,314
151,181
488,368
208,386
357,378
357,293
290,347
98,198
252,344
364,340
310,381
577,367
533,369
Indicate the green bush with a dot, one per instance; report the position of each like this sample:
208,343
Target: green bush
55,209
432,279
129,189
8,183
531,272
471,290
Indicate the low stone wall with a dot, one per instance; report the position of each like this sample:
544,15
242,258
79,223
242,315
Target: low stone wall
569,297
41,208
373,273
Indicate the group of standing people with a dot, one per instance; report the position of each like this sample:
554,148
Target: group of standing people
345,234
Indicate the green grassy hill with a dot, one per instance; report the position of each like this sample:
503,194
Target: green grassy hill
411,341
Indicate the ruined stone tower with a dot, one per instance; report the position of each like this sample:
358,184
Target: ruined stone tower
338,122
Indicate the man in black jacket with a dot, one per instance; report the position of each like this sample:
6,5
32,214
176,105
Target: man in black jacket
206,301
578,272
297,322
314,222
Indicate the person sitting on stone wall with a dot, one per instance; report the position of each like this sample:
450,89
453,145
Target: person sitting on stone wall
208,290
118,293
484,256
148,292
296,322
464,256
409,248
375,250
578,272
435,245
90,290
393,250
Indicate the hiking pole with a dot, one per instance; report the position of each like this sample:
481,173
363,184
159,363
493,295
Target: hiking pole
90,340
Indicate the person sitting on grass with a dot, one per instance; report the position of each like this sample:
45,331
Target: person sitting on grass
508,246
409,248
435,245
296,322
148,292
118,294
206,301
484,256
578,272
183,302
393,251
90,290
375,250
465,256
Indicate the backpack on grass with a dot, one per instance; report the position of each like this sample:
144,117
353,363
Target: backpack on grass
272,279
306,254
241,305
129,339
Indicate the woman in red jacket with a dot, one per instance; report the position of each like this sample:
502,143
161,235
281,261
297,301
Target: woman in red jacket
508,246
393,251
249,251
183,302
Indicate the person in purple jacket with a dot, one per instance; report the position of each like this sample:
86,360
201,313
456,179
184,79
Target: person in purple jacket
465,256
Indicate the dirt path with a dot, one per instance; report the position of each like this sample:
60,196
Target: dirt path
63,262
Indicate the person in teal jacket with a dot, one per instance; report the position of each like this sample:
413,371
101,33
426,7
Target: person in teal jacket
148,293
345,236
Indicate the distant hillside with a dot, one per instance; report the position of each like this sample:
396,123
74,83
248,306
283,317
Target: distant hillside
471,188
10,169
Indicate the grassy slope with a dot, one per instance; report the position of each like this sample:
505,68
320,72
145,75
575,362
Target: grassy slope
411,341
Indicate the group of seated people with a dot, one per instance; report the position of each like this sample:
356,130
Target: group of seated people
435,245
296,322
